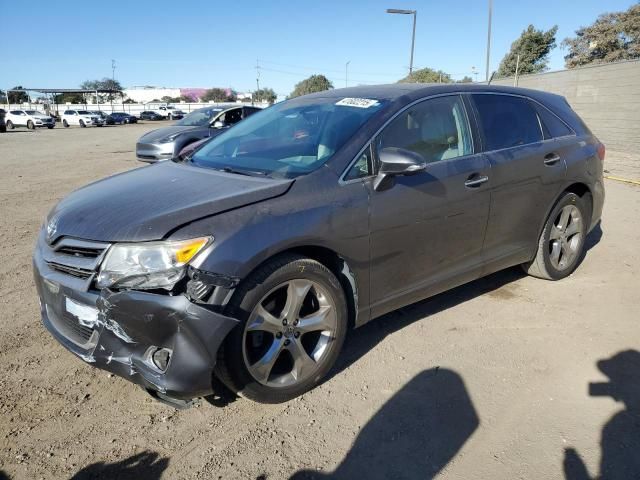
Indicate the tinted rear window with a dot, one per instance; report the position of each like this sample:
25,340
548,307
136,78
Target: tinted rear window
553,125
507,121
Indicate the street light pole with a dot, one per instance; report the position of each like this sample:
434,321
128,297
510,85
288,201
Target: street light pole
489,39
346,73
413,35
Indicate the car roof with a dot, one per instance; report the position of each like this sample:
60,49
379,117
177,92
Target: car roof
414,91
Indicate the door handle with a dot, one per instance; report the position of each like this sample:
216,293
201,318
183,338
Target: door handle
551,158
475,181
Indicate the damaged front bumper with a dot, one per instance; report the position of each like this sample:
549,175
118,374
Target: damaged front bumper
119,331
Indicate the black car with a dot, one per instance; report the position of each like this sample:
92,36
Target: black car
148,115
250,259
122,118
167,142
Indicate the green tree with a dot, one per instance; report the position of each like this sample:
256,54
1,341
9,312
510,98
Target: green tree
69,98
427,75
18,97
104,84
219,95
465,79
612,37
265,95
533,46
315,83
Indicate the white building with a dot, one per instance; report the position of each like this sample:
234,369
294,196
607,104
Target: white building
147,93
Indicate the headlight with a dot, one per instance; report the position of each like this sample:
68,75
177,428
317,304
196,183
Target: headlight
148,265
170,138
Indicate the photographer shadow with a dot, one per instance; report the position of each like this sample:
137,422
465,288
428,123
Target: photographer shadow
620,442
414,435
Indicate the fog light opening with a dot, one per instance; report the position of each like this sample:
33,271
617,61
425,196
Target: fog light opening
160,358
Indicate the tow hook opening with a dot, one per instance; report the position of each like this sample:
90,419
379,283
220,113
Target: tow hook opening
159,358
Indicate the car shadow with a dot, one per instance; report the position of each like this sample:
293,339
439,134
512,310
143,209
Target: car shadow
145,465
620,440
415,434
4,476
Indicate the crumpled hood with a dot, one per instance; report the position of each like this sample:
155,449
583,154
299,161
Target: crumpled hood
160,133
149,202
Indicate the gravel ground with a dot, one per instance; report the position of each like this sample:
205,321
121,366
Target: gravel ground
490,380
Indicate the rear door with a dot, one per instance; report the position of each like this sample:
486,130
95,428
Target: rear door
527,171
427,229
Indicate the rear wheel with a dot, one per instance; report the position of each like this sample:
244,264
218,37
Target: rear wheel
10,125
293,315
31,125
561,244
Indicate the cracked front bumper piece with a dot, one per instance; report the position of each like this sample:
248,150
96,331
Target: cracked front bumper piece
166,344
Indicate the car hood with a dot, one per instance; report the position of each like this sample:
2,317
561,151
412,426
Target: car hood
160,133
41,117
149,202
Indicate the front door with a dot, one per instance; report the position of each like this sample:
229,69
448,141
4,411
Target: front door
427,229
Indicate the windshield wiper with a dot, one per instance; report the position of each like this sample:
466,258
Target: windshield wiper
248,173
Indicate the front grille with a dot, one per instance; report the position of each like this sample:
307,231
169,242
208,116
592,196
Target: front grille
77,258
69,326
69,270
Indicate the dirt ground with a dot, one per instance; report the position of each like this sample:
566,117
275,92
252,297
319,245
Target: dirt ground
488,381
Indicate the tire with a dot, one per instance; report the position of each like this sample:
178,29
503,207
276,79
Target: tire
49,127
10,125
241,358
82,124
65,124
31,125
561,243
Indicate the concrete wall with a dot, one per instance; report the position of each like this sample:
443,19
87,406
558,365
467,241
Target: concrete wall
607,97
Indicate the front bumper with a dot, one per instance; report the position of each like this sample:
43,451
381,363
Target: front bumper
116,331
152,152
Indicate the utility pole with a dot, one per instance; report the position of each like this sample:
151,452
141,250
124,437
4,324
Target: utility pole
489,39
113,70
346,73
515,79
413,35
257,75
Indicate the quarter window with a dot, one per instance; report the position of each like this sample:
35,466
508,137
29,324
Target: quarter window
507,121
362,167
553,125
437,129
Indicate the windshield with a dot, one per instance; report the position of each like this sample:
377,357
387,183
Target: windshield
199,118
289,139
83,112
32,112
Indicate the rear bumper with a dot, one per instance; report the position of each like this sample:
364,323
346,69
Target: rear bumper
152,152
119,331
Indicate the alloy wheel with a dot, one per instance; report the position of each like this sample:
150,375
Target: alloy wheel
289,333
565,238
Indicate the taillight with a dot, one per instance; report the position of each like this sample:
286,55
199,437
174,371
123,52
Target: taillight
601,151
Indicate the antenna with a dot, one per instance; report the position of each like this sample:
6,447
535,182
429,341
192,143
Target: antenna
491,77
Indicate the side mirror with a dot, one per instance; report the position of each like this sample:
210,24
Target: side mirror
218,124
397,161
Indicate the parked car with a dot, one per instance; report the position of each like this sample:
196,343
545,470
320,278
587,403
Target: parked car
3,125
165,143
31,119
122,118
82,118
250,260
149,115
167,112
103,115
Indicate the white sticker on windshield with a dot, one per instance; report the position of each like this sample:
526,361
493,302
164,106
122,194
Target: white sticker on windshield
358,102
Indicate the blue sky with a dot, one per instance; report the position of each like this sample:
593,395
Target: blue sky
210,43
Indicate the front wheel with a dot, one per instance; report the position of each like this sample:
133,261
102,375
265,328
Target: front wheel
49,127
561,243
293,315
82,124
65,124
31,125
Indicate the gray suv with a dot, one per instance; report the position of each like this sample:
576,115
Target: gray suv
247,261
165,143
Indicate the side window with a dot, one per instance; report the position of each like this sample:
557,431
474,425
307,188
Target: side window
362,168
554,127
507,121
15,112
233,116
437,129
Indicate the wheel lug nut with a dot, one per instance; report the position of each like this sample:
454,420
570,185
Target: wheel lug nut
297,334
287,342
284,322
295,322
279,335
